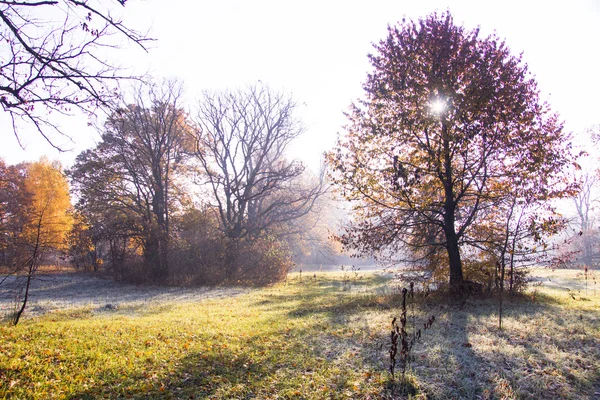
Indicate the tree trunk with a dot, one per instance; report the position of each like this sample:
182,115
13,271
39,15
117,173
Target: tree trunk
456,274
231,259
512,279
32,268
455,263
155,256
18,314
501,300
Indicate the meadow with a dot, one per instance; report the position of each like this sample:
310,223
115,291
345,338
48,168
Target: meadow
323,335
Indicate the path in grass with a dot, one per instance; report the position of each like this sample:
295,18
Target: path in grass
315,337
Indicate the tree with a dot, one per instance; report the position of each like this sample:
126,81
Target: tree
53,58
44,221
241,141
241,144
313,239
129,176
585,205
519,231
14,201
83,245
449,121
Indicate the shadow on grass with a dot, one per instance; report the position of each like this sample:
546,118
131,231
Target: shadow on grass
291,366
322,355
474,359
466,372
224,374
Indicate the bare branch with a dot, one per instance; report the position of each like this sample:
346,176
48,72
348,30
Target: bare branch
51,64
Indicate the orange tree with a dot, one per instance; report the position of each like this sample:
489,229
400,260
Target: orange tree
450,125
40,223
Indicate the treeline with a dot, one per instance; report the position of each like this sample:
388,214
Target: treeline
170,197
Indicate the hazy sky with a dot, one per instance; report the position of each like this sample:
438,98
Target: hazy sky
317,50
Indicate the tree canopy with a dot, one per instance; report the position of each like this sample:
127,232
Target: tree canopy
126,183
450,125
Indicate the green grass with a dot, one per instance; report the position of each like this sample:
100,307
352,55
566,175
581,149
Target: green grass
308,338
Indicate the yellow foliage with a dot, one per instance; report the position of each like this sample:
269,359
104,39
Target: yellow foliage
49,219
481,270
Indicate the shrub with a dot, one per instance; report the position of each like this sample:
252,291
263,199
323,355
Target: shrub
202,255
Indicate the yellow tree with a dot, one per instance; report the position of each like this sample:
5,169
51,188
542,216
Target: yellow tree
47,220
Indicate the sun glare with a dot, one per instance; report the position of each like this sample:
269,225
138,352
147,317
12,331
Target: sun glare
438,106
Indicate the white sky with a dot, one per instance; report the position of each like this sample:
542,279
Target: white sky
317,50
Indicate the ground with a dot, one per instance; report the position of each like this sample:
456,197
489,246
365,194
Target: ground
62,289
315,336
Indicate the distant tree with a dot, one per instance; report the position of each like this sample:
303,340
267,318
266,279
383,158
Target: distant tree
449,121
83,252
13,204
128,178
241,141
52,58
586,203
241,144
312,238
44,220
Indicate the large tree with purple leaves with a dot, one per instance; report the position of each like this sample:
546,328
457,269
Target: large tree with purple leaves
450,125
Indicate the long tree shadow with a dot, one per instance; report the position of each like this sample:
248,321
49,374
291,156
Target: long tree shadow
474,359
251,368
329,343
451,353
563,361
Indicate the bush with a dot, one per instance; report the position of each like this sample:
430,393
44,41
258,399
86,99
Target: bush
261,261
202,255
483,272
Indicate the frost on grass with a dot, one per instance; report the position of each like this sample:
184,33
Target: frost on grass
65,291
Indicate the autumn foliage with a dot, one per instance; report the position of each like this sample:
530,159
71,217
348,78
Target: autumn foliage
36,220
450,128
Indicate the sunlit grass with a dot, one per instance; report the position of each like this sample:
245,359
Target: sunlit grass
315,336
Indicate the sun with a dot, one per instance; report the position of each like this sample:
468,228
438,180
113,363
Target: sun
438,106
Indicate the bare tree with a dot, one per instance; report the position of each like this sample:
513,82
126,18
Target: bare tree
241,144
52,58
585,202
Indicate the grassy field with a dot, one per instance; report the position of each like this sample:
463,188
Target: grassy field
317,336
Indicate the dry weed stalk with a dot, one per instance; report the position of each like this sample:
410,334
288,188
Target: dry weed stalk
399,335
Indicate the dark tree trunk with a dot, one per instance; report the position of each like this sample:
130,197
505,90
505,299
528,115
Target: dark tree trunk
155,255
501,301
31,270
231,259
456,275
18,314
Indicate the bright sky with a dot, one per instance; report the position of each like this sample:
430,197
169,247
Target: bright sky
317,50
